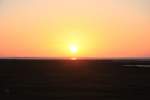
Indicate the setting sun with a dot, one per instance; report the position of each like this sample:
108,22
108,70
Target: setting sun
73,48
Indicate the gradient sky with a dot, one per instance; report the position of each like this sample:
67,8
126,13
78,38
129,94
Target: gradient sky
100,28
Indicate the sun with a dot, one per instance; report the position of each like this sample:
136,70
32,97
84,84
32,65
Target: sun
73,48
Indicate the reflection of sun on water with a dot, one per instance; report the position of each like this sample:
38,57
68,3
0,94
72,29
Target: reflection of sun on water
74,58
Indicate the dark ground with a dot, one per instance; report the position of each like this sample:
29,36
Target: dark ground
74,80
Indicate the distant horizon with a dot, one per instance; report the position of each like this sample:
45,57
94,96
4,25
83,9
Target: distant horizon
80,58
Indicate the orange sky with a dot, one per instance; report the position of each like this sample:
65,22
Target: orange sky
45,28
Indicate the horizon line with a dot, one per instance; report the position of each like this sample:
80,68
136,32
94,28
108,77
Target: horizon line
78,58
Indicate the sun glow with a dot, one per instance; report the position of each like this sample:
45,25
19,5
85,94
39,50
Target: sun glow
73,48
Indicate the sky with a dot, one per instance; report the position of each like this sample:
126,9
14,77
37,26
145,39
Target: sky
98,28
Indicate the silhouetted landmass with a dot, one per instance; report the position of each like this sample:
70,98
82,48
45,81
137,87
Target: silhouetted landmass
74,80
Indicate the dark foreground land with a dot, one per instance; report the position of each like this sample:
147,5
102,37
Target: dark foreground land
74,80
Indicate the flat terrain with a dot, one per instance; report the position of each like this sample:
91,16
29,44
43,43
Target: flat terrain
73,80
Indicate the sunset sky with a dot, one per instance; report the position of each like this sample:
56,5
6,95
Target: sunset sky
90,28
